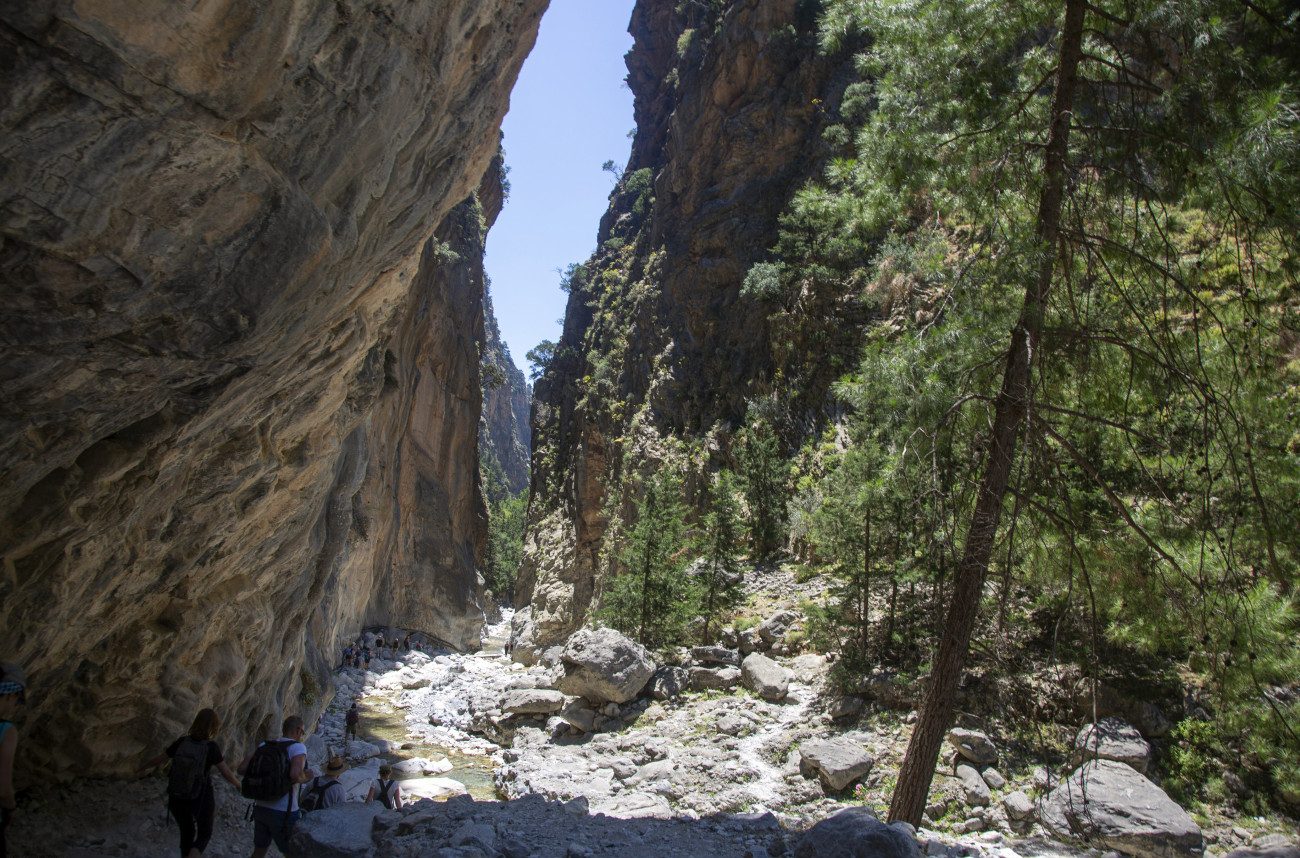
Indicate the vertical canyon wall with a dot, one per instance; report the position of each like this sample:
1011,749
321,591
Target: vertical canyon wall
240,382
659,346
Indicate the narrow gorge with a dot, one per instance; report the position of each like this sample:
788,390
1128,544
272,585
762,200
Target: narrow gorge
912,474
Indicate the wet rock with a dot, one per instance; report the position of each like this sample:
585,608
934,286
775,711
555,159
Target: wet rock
835,762
974,746
715,655
1112,739
855,833
537,701
1107,802
714,679
603,665
765,677
435,788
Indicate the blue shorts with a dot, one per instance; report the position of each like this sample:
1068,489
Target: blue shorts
272,825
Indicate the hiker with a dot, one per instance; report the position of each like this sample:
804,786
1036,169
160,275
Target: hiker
389,791
325,790
271,777
347,657
13,694
366,655
190,797
406,643
351,720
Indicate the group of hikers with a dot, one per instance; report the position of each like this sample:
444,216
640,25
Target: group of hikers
275,776
359,653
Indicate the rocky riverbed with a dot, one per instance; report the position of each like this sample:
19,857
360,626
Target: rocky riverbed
725,754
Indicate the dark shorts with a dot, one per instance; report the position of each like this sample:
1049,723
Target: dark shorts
272,825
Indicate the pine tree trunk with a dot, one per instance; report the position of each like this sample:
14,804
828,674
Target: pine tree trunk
1011,405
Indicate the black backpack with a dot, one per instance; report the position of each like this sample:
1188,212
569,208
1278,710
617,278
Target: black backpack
189,770
267,775
385,794
315,797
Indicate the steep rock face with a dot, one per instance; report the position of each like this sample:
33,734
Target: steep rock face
658,343
231,345
505,437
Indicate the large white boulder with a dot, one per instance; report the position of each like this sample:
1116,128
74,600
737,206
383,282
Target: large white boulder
1109,803
856,833
532,701
1113,739
341,831
765,677
836,762
603,666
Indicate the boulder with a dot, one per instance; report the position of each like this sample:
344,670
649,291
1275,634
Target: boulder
845,706
603,665
532,701
1018,806
523,637
856,833
421,766
1112,739
341,831
765,677
715,655
974,746
973,786
714,679
836,762
578,715
415,788
1261,849
773,629
669,682
357,750
1107,802
993,778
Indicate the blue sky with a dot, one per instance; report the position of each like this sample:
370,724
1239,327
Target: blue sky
569,113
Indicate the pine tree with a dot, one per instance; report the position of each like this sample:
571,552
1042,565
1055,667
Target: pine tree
720,578
652,596
763,467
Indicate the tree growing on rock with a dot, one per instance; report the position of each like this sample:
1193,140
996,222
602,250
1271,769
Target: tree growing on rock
763,467
720,579
652,596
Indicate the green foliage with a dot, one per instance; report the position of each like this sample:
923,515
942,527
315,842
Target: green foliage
639,184
652,597
763,282
539,357
763,472
720,573
309,688
505,547
1160,458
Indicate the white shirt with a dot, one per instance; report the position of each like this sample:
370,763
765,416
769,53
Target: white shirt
290,801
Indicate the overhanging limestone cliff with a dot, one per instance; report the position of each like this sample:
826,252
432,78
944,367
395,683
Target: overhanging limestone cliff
240,382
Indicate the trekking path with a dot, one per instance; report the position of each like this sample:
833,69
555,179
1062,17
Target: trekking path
715,773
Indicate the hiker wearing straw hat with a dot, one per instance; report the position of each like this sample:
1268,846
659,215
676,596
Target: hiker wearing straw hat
325,790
